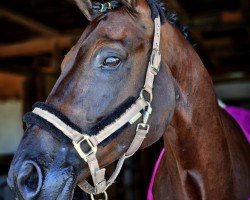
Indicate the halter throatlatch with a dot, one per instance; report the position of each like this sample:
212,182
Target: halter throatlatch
131,115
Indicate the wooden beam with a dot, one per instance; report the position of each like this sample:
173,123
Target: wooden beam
218,18
218,43
32,24
11,86
36,46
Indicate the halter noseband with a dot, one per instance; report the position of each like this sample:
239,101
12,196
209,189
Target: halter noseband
131,115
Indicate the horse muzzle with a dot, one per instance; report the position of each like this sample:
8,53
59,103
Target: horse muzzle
28,181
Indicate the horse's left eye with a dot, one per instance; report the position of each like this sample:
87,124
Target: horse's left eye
111,62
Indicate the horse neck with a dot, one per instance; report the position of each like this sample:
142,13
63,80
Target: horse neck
196,145
196,102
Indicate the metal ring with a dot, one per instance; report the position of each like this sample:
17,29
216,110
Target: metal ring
109,5
103,8
143,97
149,104
105,195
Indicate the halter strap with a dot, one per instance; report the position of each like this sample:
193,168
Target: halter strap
131,115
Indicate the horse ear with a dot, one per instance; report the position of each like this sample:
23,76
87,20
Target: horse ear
86,7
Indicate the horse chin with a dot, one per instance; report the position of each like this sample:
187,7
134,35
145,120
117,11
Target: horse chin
80,195
67,191
58,184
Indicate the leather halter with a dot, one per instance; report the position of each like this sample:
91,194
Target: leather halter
131,115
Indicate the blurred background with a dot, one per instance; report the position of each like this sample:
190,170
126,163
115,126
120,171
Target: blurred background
36,34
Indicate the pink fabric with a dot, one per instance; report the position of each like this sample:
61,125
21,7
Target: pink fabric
150,189
242,116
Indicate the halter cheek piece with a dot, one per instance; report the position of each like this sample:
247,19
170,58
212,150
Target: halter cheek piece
131,115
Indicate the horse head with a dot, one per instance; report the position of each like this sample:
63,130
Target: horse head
101,80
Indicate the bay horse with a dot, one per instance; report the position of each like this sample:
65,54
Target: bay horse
102,102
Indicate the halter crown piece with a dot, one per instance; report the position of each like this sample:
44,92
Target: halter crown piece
131,115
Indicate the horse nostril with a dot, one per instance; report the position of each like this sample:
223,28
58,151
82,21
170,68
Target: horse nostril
29,180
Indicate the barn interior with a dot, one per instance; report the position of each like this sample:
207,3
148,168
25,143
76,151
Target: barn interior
36,34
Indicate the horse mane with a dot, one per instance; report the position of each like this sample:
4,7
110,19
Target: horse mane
170,16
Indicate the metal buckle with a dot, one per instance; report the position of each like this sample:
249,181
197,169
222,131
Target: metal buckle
102,187
155,60
78,148
147,112
105,7
144,89
142,126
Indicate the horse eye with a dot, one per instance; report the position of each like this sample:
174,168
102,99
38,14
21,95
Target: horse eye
111,62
